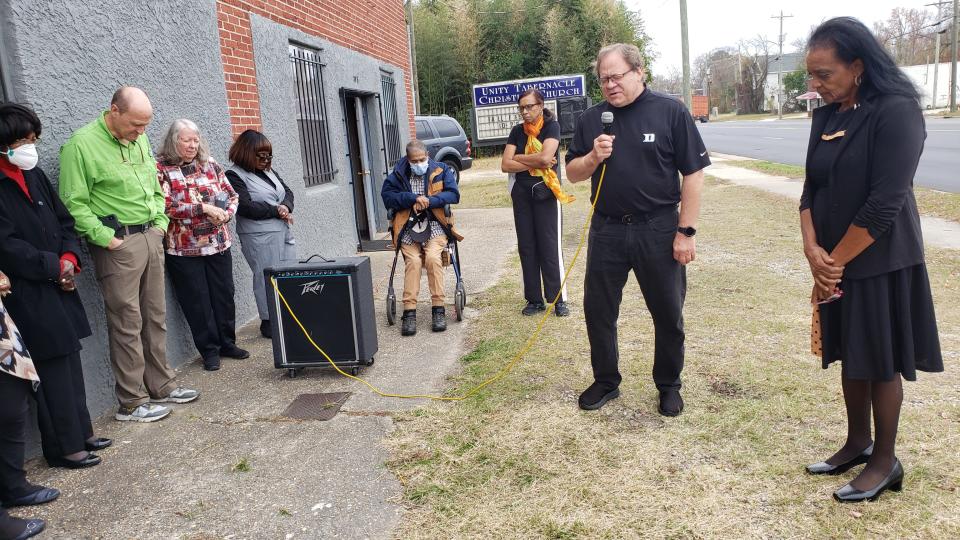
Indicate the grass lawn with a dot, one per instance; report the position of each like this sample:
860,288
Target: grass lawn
728,117
520,460
930,201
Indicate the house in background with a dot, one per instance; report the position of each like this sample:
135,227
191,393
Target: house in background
789,63
328,82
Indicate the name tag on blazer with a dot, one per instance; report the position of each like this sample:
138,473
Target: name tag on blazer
833,136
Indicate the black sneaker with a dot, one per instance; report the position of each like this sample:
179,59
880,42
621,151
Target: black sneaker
561,309
671,404
408,322
532,308
265,329
597,396
232,351
439,319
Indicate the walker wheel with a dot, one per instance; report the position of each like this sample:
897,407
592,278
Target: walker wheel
355,371
391,309
292,373
459,301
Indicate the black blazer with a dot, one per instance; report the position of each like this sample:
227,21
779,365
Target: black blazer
871,184
33,235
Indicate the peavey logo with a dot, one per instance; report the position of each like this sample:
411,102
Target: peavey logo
315,287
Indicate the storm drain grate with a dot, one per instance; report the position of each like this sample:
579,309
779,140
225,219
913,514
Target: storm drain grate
316,406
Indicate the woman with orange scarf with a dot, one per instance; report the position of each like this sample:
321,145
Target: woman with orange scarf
531,156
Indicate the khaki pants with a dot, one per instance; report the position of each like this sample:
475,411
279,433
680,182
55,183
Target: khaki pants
414,259
131,281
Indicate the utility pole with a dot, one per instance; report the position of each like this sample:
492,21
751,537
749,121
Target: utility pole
953,56
413,58
936,71
780,65
685,46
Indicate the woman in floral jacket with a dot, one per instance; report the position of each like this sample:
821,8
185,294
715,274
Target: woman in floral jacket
200,202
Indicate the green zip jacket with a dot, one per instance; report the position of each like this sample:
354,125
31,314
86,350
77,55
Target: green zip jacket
101,177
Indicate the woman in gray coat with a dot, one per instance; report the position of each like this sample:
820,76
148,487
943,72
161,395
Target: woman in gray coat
264,214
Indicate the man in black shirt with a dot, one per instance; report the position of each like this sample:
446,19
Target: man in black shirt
636,224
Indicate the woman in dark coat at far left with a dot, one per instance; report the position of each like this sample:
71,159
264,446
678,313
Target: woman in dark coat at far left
39,252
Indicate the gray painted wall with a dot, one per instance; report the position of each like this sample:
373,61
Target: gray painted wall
66,58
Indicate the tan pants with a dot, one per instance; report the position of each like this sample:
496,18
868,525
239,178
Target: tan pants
414,259
131,281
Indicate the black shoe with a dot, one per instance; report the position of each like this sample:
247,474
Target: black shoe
561,309
439,319
893,482
40,496
90,461
408,322
211,364
97,444
596,396
265,329
671,404
822,467
232,351
532,308
32,527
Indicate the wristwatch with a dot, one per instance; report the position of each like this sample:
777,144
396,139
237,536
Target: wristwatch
687,231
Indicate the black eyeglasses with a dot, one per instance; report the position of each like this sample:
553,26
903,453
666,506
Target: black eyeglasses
264,156
613,77
525,108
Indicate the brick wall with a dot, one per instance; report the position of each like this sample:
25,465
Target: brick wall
376,28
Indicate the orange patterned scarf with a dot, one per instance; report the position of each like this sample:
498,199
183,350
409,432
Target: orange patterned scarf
534,146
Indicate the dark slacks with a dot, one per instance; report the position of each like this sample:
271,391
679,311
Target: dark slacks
646,247
14,408
62,406
204,288
538,225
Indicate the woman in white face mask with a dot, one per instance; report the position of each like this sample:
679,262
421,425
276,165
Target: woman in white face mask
39,252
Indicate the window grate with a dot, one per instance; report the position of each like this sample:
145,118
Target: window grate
312,119
390,121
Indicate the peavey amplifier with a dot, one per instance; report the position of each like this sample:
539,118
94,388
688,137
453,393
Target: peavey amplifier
334,302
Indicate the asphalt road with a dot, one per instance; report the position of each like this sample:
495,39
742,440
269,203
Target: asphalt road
785,141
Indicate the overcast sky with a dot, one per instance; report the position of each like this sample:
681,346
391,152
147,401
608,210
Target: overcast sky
715,23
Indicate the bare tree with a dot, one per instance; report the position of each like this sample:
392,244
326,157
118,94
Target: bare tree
907,34
754,55
670,82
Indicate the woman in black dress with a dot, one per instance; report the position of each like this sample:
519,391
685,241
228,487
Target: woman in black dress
861,234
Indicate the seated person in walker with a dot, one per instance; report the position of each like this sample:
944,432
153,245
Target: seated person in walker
421,187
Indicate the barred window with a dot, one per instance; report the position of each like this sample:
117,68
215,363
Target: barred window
390,123
312,119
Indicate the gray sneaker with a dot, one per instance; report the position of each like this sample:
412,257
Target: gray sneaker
179,395
147,412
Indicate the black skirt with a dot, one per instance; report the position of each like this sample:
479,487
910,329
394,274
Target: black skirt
882,326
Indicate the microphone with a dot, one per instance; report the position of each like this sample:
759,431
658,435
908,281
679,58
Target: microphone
607,119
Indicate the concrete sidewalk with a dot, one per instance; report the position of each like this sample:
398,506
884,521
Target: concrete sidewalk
937,232
306,479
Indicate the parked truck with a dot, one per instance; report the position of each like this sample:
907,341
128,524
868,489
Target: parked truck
700,108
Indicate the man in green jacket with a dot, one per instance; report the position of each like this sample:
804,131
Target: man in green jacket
108,181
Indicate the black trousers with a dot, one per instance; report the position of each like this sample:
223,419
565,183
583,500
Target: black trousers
646,247
538,225
62,406
204,290
14,408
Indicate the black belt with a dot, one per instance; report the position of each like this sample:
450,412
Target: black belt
127,230
629,219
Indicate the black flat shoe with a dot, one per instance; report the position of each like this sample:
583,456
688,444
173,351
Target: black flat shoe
234,352
822,467
89,461
40,496
97,444
671,403
33,528
893,482
266,330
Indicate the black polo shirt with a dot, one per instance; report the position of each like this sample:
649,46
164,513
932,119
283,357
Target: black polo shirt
656,141
518,138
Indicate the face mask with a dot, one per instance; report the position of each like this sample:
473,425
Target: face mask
419,169
24,156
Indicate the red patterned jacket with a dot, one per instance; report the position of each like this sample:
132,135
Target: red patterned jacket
187,188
